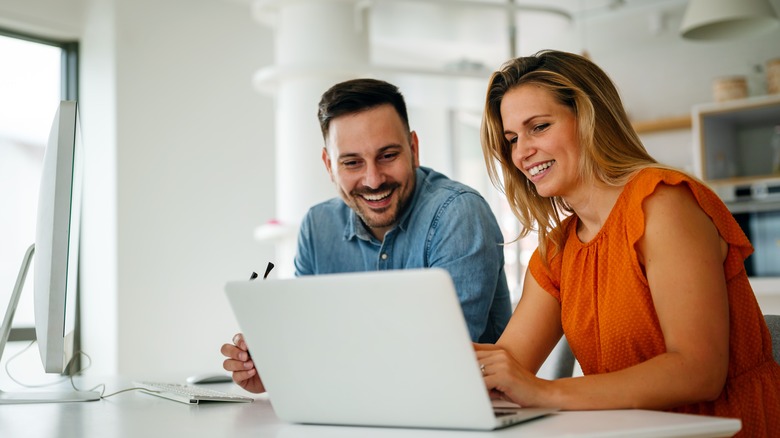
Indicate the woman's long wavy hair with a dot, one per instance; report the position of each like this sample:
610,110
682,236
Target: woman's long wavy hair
611,150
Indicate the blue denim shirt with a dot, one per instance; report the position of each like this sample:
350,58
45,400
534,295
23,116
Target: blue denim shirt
447,225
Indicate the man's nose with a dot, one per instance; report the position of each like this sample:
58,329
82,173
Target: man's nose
374,177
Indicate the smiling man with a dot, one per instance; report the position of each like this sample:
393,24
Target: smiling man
372,157
394,214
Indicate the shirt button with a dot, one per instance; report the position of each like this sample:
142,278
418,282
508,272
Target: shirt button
384,256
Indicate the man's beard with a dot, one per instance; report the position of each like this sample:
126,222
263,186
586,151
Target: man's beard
378,218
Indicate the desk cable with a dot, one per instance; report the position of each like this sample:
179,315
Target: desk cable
69,377
79,353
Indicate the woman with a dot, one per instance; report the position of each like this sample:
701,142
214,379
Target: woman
639,265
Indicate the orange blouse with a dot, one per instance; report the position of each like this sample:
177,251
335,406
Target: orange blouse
610,322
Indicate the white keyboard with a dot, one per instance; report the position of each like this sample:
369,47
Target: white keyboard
189,394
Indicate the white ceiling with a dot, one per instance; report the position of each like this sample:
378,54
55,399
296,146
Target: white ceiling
438,33
443,50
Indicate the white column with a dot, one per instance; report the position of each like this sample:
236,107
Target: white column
318,43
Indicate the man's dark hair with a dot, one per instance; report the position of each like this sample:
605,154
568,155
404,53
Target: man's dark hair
357,95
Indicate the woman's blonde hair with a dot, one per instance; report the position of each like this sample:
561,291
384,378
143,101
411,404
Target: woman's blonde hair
611,150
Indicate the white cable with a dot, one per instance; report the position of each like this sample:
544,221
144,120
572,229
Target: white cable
28,385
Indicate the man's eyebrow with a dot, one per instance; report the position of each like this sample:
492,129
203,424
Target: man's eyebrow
348,155
388,147
381,150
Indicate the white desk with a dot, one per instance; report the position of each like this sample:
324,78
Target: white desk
135,414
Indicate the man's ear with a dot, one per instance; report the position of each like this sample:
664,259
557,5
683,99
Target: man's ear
415,146
326,161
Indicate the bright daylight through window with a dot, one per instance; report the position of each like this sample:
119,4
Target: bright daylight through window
30,90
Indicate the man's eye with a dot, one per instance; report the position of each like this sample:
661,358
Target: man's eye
389,156
350,163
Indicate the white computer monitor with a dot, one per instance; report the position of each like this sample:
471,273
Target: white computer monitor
55,254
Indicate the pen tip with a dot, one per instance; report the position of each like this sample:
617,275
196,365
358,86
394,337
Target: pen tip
268,270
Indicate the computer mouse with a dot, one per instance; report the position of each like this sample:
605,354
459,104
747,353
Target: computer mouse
203,378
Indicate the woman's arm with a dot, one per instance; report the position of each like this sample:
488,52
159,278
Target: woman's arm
530,336
535,326
682,254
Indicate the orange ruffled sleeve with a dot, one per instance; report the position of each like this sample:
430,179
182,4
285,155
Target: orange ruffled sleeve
610,321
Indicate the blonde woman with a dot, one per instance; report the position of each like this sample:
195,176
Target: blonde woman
641,266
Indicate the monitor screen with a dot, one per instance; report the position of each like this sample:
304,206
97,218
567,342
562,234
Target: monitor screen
57,240
55,255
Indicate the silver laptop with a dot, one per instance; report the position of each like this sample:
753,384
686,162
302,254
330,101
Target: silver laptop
386,348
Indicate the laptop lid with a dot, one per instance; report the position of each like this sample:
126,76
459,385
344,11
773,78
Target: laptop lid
388,348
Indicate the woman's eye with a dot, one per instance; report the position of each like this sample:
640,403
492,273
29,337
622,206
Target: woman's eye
540,127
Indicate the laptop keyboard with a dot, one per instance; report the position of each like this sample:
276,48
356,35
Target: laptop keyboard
189,394
503,413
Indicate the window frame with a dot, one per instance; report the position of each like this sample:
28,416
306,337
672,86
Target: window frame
69,90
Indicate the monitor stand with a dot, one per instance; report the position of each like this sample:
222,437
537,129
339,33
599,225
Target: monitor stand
5,330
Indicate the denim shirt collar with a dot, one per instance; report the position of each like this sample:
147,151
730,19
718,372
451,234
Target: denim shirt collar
356,228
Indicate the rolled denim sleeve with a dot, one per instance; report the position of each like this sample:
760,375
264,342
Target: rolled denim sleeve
304,262
465,239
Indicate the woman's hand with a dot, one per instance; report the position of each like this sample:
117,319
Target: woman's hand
240,364
507,380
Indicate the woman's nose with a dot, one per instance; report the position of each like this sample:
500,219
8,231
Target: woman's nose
521,151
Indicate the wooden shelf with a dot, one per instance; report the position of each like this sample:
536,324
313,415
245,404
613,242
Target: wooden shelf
664,124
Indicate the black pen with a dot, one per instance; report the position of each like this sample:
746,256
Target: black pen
267,271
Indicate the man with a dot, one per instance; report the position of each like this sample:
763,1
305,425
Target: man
393,214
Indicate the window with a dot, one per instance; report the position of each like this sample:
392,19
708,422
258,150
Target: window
36,74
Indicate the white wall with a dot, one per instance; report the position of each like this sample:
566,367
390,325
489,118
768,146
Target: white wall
194,176
50,18
99,251
181,151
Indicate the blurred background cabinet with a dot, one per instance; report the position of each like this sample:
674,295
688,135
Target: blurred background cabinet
734,141
735,153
